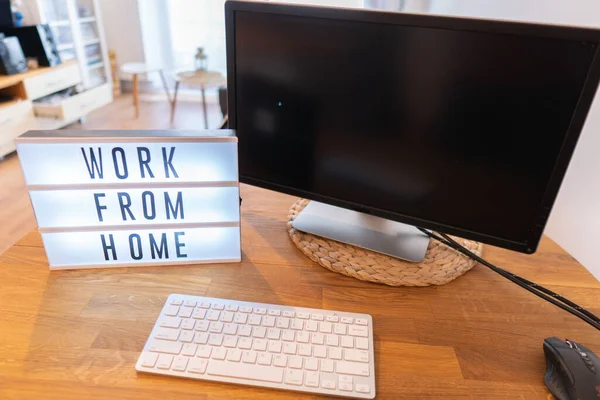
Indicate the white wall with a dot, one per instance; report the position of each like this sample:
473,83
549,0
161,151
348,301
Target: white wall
122,29
575,220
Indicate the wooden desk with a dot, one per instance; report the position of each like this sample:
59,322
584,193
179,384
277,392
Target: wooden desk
77,334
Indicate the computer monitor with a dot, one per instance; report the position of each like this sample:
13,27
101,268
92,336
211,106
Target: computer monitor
459,125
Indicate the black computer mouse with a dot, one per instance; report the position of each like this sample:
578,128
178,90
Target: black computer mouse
572,370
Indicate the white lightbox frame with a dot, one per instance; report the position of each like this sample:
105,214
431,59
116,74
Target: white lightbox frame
65,187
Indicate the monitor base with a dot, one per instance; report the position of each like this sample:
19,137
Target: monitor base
362,230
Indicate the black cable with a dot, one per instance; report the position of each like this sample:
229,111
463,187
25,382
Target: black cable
532,287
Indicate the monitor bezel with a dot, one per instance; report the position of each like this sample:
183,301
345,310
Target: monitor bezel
441,22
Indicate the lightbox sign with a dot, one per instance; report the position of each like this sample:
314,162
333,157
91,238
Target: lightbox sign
125,198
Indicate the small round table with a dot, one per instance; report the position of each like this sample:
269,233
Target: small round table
204,79
138,68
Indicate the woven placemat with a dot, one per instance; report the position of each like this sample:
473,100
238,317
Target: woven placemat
441,265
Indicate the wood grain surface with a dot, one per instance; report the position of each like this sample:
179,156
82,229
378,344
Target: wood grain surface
77,334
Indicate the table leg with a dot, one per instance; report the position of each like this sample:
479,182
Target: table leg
164,82
204,108
136,101
174,102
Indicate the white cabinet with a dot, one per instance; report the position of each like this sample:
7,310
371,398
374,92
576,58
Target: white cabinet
52,81
75,107
15,118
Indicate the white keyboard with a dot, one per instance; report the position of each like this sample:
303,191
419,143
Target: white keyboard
291,348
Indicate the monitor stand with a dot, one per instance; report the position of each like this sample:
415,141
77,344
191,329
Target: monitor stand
362,230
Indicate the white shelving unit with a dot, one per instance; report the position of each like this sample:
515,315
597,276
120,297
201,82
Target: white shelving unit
78,30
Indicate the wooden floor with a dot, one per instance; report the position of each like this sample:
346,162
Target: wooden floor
16,214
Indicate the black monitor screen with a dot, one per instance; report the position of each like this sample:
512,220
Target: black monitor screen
455,127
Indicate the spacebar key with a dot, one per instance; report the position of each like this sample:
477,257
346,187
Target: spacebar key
242,371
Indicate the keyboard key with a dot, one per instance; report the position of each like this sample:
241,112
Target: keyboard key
352,368
347,320
244,371
201,338
149,359
361,321
289,314
176,301
165,346
189,349
218,307
305,350
234,355
188,324
345,379
311,364
166,334
260,311
317,338
215,339
230,341
180,363
170,322
327,366
199,313
245,343
356,355
356,330
327,384
319,351
202,326
302,315
339,329
245,309
362,343
289,348
347,341
312,326
172,311
186,336
297,324
335,353
294,377
347,387
317,317
260,345
303,337
283,323
311,379
332,318
279,360
249,356
295,362
288,336
259,332
204,304
164,361
213,315
273,333
244,330
186,312
362,388
274,347
240,318
197,365
190,303
216,327
274,312
268,321
227,316
264,358
332,340
325,327
231,307
230,329
254,319
218,353
203,351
